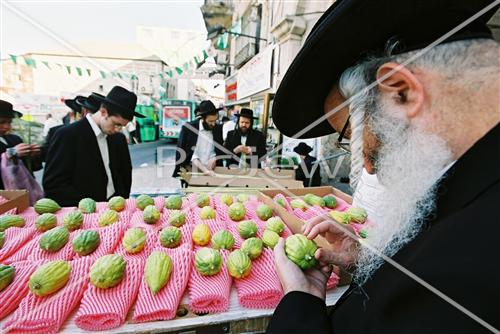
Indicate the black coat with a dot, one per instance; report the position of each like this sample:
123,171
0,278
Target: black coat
458,253
74,167
48,140
255,139
13,140
303,172
187,142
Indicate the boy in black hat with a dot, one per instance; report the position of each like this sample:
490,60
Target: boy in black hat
200,141
303,172
247,145
424,110
90,158
13,144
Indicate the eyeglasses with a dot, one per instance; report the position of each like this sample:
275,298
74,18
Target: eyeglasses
344,146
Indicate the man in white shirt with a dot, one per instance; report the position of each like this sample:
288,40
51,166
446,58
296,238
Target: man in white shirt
90,158
200,142
50,122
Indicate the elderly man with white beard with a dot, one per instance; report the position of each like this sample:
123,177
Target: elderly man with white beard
425,106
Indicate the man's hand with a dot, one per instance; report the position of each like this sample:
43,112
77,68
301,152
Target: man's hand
247,150
343,240
22,150
238,149
35,149
312,281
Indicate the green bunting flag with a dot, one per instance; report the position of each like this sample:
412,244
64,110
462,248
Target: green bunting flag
103,74
14,59
46,63
205,55
185,67
68,68
89,72
179,70
170,73
30,62
119,75
79,71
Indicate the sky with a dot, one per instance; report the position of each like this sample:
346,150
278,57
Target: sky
30,25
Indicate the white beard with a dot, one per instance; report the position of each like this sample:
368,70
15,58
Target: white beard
410,163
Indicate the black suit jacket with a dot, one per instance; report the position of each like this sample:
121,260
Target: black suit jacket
457,253
255,139
303,172
74,167
13,140
49,139
187,142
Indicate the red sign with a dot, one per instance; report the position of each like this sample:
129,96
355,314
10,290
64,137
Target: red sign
231,89
176,112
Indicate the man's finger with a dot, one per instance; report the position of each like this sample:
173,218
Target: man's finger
311,223
279,250
322,228
330,257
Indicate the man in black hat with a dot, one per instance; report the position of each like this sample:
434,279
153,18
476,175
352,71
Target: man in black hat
82,105
304,170
428,120
72,116
247,145
90,158
12,144
200,141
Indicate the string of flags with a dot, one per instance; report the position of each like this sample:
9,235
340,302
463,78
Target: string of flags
170,72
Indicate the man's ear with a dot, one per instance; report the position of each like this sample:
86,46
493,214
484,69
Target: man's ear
103,111
395,79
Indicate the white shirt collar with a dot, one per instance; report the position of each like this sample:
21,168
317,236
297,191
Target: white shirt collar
95,127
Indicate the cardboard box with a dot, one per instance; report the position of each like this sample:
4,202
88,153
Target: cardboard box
245,178
17,199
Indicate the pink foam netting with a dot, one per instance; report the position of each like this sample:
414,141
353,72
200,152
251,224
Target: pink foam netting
151,242
12,295
47,314
159,202
103,309
65,253
163,305
210,293
109,236
22,253
15,238
262,288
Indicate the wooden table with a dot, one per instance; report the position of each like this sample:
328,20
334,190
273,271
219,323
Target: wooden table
236,313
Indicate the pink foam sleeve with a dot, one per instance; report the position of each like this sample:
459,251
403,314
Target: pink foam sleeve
15,238
65,253
12,295
163,305
159,202
47,314
186,229
109,237
262,288
28,212
151,241
103,309
333,281
210,293
22,253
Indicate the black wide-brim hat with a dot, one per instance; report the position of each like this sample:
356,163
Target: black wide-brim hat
245,112
351,29
7,110
207,107
302,149
73,105
92,102
123,101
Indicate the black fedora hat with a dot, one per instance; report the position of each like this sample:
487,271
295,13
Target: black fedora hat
350,29
7,110
122,100
206,108
245,112
302,149
72,104
91,102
